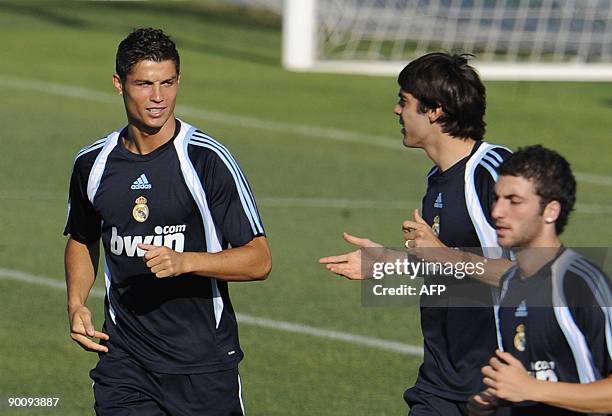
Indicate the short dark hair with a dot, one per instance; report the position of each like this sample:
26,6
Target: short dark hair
145,44
551,175
448,81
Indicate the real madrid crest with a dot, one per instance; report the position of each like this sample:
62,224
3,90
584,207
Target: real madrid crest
141,210
519,338
436,226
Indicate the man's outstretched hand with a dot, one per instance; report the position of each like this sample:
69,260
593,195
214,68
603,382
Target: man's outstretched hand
349,264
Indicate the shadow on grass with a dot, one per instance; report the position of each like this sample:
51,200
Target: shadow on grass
607,102
202,13
48,14
236,17
228,53
229,17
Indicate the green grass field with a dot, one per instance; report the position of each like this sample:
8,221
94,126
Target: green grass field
55,76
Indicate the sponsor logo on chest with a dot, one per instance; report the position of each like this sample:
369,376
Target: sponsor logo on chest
543,370
171,236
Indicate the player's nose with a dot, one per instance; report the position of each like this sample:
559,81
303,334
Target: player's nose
498,211
156,94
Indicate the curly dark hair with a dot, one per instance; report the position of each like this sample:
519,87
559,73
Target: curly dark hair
551,175
449,82
145,44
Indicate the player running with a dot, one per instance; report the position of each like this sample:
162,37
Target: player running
177,220
555,312
441,110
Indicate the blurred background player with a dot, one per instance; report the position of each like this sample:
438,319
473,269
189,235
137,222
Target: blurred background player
555,313
167,201
441,110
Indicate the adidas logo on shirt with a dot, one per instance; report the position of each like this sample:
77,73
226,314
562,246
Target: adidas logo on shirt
141,183
521,310
438,203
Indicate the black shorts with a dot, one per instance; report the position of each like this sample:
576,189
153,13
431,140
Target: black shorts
122,387
427,404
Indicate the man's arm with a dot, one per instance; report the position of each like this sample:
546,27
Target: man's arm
507,379
593,397
251,261
81,262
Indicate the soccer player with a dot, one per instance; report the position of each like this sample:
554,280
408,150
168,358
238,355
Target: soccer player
555,312
177,220
441,110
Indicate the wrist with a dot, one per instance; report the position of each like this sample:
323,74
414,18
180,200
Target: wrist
73,305
535,390
188,263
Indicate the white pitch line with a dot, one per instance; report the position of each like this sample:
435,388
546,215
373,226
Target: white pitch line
203,114
593,179
291,129
338,203
376,343
593,208
299,202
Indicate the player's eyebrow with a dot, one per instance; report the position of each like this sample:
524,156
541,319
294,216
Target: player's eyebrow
512,196
148,81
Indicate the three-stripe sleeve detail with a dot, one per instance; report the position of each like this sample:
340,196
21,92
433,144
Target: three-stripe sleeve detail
486,233
574,337
193,183
95,145
598,283
244,191
97,170
107,144
484,156
98,144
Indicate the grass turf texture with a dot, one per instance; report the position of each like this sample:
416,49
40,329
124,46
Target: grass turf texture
230,64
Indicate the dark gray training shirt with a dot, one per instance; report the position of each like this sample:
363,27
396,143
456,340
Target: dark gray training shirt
189,195
558,323
459,326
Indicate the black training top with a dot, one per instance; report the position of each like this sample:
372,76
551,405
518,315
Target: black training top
459,332
189,195
558,323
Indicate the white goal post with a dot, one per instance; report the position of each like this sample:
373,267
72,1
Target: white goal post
551,40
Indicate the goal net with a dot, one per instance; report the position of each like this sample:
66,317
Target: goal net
511,39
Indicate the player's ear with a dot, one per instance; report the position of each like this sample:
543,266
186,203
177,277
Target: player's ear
434,114
551,212
178,79
117,83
